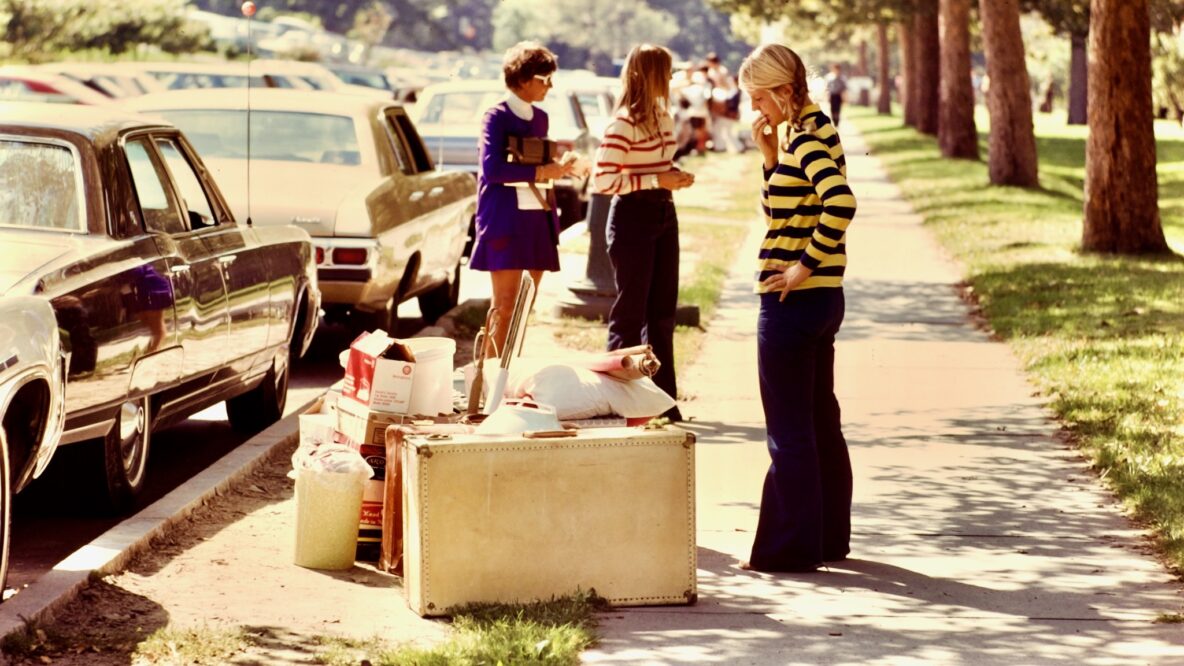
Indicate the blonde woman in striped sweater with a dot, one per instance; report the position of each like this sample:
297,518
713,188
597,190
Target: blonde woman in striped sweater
805,516
634,165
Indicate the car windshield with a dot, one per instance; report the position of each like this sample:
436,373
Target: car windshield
275,135
469,106
369,79
41,186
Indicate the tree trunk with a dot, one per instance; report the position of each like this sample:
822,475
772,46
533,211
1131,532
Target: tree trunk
1121,193
861,69
885,102
1012,152
1175,100
927,45
908,71
1078,82
956,131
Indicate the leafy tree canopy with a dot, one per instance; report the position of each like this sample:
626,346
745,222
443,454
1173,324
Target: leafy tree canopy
36,30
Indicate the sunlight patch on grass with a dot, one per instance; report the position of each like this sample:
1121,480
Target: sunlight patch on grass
193,645
544,632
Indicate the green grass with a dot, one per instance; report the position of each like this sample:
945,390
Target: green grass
194,645
547,632
1102,335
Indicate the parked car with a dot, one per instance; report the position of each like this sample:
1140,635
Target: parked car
184,75
310,76
358,75
449,118
32,398
350,170
165,304
114,80
597,96
32,84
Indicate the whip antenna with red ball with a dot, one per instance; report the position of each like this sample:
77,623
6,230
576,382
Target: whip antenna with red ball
248,9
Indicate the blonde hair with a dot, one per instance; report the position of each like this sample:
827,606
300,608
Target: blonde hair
774,67
645,83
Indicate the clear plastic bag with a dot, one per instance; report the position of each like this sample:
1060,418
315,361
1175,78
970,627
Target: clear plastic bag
337,462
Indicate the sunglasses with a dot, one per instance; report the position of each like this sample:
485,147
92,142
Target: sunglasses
545,78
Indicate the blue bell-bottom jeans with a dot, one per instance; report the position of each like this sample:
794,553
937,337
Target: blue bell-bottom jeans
805,514
642,233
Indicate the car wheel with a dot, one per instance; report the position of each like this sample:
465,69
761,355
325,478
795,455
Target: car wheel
263,405
5,510
125,452
442,298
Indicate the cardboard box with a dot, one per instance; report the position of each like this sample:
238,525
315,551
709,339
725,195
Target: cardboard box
510,518
364,429
379,372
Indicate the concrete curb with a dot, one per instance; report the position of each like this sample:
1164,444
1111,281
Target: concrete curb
112,550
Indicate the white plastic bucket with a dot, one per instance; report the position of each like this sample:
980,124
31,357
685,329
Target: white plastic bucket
431,385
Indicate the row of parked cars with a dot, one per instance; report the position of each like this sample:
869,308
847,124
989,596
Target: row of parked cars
180,248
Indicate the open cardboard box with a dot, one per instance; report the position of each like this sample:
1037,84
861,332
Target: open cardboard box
379,372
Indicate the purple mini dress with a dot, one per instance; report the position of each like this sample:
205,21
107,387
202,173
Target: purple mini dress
508,238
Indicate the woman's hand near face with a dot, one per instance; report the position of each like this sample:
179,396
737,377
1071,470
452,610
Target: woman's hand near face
675,179
766,142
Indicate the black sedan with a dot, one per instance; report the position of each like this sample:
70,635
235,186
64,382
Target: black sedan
164,304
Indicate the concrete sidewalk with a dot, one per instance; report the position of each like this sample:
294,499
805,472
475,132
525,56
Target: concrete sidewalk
978,536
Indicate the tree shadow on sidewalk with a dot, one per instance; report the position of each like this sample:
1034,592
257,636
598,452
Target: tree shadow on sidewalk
864,611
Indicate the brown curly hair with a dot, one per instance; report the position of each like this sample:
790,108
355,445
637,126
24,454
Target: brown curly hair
524,60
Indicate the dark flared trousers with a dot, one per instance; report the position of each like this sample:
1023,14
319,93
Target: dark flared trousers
642,235
806,505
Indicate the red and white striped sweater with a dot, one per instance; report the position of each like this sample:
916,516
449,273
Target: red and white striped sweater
627,153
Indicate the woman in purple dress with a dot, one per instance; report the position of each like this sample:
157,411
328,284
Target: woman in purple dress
514,231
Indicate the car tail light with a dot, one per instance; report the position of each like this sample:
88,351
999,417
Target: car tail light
320,255
350,256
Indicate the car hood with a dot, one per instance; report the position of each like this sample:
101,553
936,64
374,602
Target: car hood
307,195
23,253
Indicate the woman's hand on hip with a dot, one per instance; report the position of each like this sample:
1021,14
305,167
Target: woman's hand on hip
787,280
675,179
764,135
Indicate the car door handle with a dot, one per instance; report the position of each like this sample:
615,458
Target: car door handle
179,268
436,191
415,196
228,259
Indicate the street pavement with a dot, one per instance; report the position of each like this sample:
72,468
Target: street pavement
979,535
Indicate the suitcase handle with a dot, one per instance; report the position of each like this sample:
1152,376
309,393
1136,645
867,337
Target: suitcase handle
548,434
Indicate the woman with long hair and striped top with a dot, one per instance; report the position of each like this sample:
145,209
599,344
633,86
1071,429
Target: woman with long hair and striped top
805,516
634,164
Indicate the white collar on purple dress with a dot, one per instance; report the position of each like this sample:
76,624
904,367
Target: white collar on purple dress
521,108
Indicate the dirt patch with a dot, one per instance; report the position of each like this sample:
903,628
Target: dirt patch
228,565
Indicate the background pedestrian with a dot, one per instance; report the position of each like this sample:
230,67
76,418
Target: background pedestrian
836,90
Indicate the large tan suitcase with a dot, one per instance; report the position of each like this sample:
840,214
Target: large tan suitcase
509,518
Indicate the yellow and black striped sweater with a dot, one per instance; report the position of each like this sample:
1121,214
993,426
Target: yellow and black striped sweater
808,205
